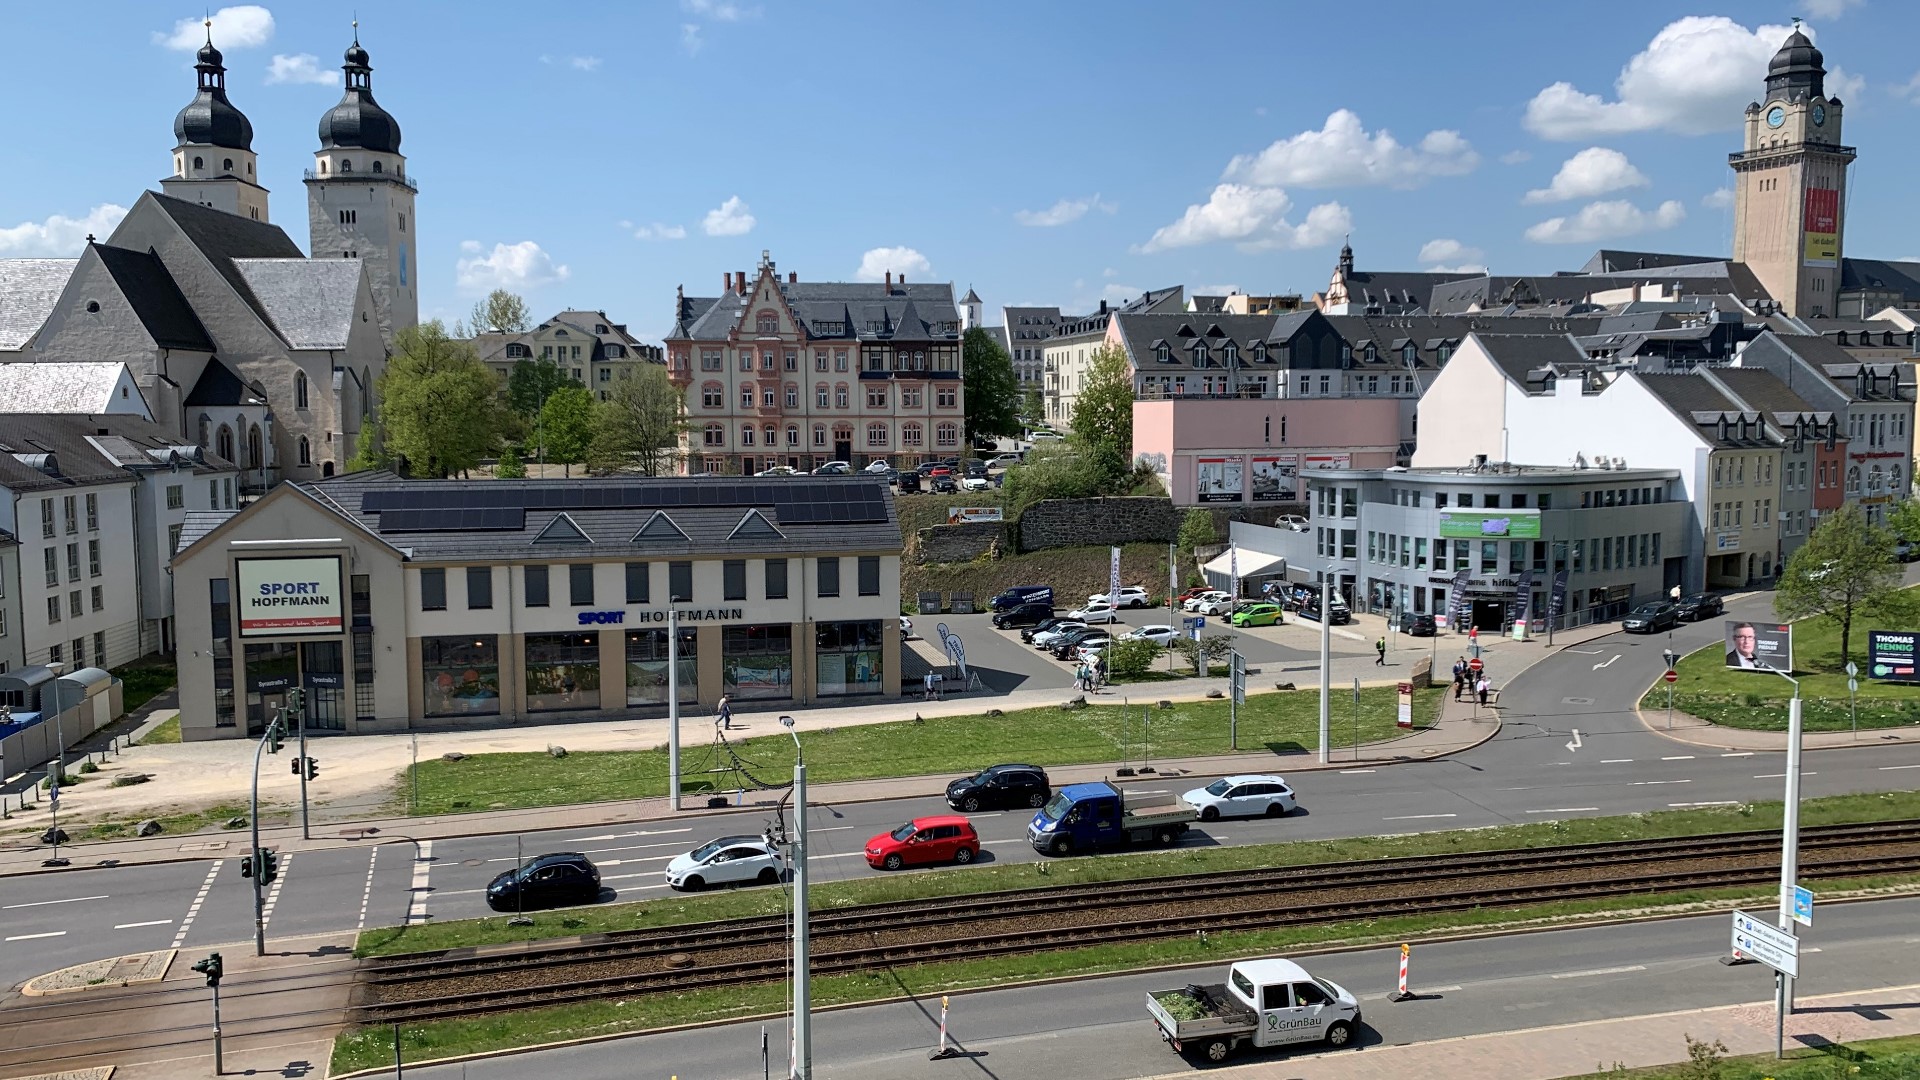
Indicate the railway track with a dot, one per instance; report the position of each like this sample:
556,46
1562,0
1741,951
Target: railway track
418,988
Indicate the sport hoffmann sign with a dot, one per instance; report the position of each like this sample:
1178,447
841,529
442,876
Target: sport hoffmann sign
289,597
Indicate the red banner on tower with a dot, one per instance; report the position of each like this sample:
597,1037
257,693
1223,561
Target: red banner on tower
1822,227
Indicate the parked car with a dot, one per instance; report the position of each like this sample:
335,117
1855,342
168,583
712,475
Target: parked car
1047,436
1158,633
1015,595
1256,614
1192,593
926,467
906,628
1045,638
1905,550
947,838
1215,604
945,484
1088,647
1242,796
1291,523
1083,817
877,465
1696,606
1006,461
566,877
976,483
1195,603
1068,644
1262,1002
1095,613
779,470
907,483
1339,614
1651,618
1041,627
730,860
1022,615
840,468
999,788
1416,625
1130,596
975,467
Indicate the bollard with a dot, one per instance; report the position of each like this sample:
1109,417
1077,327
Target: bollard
1402,994
945,1051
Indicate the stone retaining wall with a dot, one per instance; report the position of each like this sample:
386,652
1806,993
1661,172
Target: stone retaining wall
1079,522
962,542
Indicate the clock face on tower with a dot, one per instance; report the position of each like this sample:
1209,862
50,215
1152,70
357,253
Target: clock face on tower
1776,116
1819,115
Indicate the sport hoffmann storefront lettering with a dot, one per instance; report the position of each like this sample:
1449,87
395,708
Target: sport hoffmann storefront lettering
619,618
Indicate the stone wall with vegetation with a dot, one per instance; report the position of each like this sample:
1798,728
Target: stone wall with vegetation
1054,523
963,542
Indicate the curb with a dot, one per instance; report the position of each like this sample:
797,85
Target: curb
98,974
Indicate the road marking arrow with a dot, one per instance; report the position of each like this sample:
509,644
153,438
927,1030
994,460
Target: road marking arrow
1609,660
1575,744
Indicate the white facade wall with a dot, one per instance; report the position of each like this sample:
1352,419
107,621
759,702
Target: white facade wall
115,624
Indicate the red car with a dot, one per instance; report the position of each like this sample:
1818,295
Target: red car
1197,590
923,841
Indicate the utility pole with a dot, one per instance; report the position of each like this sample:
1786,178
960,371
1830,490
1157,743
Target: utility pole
297,706
257,864
673,703
802,945
59,774
1356,718
1326,672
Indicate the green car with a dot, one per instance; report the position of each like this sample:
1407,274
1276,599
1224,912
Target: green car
1256,615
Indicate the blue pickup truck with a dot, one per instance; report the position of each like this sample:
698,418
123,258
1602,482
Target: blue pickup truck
1083,817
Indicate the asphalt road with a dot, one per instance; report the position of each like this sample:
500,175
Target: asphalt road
1098,1029
1531,772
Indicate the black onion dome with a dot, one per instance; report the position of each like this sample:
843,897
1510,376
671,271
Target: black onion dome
357,56
210,119
358,122
1797,71
208,56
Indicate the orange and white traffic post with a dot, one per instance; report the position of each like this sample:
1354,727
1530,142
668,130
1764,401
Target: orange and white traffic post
945,1051
1402,994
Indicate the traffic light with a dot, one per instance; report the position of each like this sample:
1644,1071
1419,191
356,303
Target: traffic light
296,765
313,767
246,866
269,866
296,699
212,968
274,734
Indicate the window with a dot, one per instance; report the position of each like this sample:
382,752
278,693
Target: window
910,433
840,397
820,395
460,676
639,583
793,435
714,435
71,506
53,567
99,601
746,395
746,359
946,397
73,562
827,576
533,582
947,434
791,361
793,396
176,497
1489,556
767,323
680,582
433,589
710,360
733,579
306,451
839,359
712,396
93,557
74,607
53,616
876,397
776,579
869,575
580,584
46,518
911,397
173,539
820,435
819,359
876,436
479,588
746,435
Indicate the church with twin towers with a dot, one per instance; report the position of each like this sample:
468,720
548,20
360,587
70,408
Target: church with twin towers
250,348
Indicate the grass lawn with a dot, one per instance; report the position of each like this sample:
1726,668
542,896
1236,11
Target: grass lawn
1711,691
143,680
674,909
167,732
1279,722
1897,1058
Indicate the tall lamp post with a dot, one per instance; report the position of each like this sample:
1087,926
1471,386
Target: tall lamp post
802,1068
1326,670
1789,859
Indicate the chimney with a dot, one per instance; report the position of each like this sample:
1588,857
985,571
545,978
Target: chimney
792,277
741,277
726,282
903,279
1103,307
889,283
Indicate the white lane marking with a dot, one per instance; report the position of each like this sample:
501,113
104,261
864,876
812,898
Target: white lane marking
1565,810
1354,772
34,937
137,925
1885,768
842,855
1738,753
1723,802
1616,761
1601,971
366,891
1415,817
1608,663
625,835
422,874
199,898
1815,948
1654,783
1149,791
44,903
1779,775
273,891
1575,743
1678,757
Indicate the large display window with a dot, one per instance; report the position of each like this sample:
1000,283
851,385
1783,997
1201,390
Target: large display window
460,676
848,658
757,662
563,672
647,667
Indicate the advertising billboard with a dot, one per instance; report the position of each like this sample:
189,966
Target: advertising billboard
289,597
1760,646
1275,476
1327,461
1471,524
1822,227
1217,479
1890,655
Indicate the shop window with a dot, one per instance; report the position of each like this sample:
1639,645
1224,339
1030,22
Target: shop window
460,676
848,658
757,662
534,579
563,671
647,667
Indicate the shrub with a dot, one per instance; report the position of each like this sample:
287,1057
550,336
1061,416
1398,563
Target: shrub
1196,529
1131,658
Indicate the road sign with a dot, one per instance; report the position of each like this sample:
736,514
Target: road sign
1237,669
1403,717
1852,669
1853,686
1671,676
1772,946
1474,650
1802,906
1475,664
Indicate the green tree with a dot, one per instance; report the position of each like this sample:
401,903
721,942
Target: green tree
1131,658
502,311
1032,408
1051,471
1903,520
510,467
993,391
639,428
1103,414
1843,571
532,383
368,454
567,424
1197,529
440,411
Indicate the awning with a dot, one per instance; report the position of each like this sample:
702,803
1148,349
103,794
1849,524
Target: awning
1252,564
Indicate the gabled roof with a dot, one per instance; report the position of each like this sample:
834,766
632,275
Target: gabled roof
1696,401
86,450
1879,275
224,237
850,311
1525,358
29,289
49,387
311,302
1609,261
219,386
1760,390
562,530
1142,334
659,527
155,298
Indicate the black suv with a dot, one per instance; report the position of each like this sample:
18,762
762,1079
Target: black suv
546,880
1418,625
1000,787
1699,606
1022,615
1651,618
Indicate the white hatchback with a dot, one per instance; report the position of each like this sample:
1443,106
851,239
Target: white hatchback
1130,596
1204,600
1242,796
730,860
1095,613
1159,634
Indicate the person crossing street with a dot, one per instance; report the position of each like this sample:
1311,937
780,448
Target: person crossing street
1380,647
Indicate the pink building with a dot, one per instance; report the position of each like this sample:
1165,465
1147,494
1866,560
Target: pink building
1239,450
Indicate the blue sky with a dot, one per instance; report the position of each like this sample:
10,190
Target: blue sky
596,155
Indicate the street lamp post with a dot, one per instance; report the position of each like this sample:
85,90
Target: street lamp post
1326,672
673,707
802,1068
1789,860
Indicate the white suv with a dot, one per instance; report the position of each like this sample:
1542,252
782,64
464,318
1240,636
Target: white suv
1130,596
1242,796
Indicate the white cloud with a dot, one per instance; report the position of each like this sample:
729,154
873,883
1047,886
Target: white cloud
59,236
1458,268
1109,272
1606,221
901,261
1063,212
690,38
1254,218
240,27
1593,171
730,218
1696,74
584,63
1845,85
517,267
1910,90
1718,199
1828,9
657,231
300,68
719,10
1446,250
1342,153
1515,157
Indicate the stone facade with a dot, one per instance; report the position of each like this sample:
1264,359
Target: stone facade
961,542
1080,522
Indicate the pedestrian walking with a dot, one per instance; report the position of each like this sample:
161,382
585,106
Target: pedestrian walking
1481,688
724,712
1381,648
1099,671
1459,677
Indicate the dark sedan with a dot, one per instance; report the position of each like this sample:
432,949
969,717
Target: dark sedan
1699,606
546,881
1026,633
1651,619
1418,625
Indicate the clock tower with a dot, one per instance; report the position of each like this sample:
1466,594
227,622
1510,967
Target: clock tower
1790,184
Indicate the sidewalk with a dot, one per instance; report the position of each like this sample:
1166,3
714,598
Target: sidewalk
1697,732
1576,1049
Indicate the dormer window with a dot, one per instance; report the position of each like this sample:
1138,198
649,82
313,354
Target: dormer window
1200,354
1410,354
1259,352
1229,353
1444,353
1163,354
1372,354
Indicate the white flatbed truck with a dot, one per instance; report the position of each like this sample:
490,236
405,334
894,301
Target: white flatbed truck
1263,1002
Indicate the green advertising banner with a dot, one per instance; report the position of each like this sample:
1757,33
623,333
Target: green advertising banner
1509,524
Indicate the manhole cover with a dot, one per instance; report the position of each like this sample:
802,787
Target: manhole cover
1576,701
474,862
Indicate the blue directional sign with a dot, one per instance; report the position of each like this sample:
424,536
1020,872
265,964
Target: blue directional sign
1803,906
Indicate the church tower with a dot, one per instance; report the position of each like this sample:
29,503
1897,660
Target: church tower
970,310
213,162
1790,184
360,198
